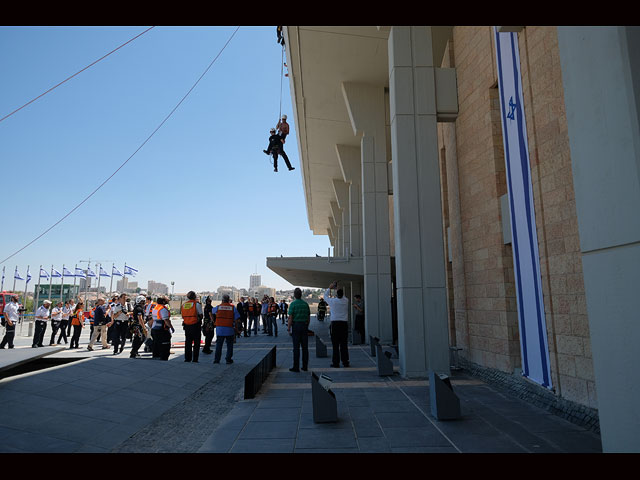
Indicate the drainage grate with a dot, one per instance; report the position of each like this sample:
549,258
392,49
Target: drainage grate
35,365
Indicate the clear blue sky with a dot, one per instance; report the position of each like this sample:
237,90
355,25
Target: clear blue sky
199,204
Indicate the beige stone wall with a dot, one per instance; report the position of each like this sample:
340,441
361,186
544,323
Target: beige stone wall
484,320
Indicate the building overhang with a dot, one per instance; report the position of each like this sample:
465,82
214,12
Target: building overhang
317,272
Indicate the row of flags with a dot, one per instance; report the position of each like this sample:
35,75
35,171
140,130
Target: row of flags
79,272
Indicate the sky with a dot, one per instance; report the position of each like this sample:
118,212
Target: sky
198,204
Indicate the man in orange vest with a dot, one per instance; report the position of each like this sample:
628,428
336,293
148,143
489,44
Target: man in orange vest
161,329
226,316
192,314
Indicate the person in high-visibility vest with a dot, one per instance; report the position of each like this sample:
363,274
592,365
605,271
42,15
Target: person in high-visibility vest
226,316
192,314
161,329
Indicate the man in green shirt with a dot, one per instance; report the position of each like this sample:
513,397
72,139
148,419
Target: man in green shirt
299,317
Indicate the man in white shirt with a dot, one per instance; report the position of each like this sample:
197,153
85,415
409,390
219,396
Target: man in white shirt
339,327
42,318
56,321
10,313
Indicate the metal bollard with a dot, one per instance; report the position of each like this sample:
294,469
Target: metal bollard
321,348
445,404
325,406
383,359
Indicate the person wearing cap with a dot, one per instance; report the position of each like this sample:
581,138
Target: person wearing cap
283,128
276,148
138,329
10,313
42,317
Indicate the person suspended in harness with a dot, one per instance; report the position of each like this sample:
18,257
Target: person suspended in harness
276,148
280,35
282,128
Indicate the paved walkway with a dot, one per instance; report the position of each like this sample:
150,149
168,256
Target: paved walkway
106,403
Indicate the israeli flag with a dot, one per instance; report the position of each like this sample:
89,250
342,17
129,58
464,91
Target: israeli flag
526,260
80,273
66,272
90,273
55,273
130,270
28,275
103,273
115,272
16,275
44,273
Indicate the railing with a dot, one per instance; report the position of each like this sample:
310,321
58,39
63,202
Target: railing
258,374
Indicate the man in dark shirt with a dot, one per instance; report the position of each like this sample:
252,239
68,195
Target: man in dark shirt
138,328
276,148
243,317
100,325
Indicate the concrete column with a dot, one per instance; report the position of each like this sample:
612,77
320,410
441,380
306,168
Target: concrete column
601,80
341,191
336,211
349,160
366,106
423,335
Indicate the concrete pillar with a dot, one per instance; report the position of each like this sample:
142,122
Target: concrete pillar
366,106
336,212
601,80
423,336
349,160
341,191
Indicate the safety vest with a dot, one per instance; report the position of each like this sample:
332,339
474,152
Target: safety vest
251,308
189,311
158,321
273,308
225,315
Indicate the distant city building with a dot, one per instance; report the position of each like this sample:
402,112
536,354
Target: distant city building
157,288
126,286
255,280
261,290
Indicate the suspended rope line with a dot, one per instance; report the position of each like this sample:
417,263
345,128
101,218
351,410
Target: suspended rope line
281,77
77,73
127,160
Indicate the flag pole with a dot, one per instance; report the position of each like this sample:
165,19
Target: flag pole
14,280
111,282
86,283
35,303
99,275
50,281
74,283
2,286
24,301
62,284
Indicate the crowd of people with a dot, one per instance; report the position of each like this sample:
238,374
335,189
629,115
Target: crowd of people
147,322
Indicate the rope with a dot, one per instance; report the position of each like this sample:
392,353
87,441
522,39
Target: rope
132,155
281,77
80,71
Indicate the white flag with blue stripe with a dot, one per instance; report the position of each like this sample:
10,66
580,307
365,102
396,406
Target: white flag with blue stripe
44,273
66,272
533,330
115,272
90,273
28,275
103,273
130,270
16,275
79,273
55,273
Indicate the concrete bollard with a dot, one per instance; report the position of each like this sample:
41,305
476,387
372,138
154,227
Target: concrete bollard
321,348
383,359
445,404
373,341
325,406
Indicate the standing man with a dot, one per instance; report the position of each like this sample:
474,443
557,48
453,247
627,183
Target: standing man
208,326
138,329
11,319
243,316
148,308
226,316
192,314
64,324
251,313
56,320
42,317
272,316
100,321
322,310
298,325
263,313
120,323
339,327
161,329
358,312
283,310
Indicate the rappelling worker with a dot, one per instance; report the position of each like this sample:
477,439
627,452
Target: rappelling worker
282,128
276,148
192,314
161,329
280,35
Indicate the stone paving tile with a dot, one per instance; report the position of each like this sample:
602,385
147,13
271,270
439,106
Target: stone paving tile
271,445
312,438
415,437
261,429
373,445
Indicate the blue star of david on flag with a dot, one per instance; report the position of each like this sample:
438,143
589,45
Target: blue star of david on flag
512,109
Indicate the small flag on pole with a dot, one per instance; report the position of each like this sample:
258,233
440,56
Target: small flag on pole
115,272
90,273
55,273
103,273
66,272
79,273
44,273
28,275
17,276
130,270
